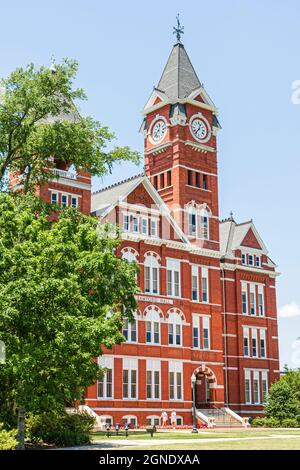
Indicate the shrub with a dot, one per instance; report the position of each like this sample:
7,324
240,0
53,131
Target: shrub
258,422
289,423
61,429
7,439
266,423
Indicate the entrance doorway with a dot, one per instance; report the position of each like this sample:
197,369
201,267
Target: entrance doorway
205,387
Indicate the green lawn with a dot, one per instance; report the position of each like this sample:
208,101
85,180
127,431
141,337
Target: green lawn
206,434
260,444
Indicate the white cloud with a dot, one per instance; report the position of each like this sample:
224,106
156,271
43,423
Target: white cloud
289,310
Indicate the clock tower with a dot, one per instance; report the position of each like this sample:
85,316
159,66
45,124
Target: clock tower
180,127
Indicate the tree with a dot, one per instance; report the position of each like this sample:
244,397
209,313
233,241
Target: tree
284,397
58,282
39,123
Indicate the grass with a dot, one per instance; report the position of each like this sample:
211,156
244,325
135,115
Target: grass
207,434
259,444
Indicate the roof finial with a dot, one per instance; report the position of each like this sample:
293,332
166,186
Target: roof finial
231,215
52,67
179,30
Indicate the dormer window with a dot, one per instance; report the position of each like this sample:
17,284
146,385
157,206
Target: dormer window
250,260
126,222
243,258
257,261
135,224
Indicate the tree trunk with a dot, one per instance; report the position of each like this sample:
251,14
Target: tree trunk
21,428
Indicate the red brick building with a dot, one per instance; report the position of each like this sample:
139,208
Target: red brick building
207,307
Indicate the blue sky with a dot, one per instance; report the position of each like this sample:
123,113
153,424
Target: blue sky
246,52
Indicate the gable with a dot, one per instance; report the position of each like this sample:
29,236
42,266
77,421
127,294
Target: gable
251,241
199,98
141,196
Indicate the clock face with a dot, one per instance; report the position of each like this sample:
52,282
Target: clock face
199,129
159,130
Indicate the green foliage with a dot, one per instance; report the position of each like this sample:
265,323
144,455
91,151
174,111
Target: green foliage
7,439
265,422
30,139
283,400
58,281
59,428
290,423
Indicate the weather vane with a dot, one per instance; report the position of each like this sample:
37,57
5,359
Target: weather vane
179,30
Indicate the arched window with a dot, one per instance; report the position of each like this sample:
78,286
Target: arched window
130,330
103,420
131,420
152,327
192,221
204,224
153,420
151,273
175,329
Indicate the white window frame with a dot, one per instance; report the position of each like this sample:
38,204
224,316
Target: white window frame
173,269
252,293
130,329
174,324
265,389
152,419
154,225
256,379
135,222
195,278
247,379
254,340
196,326
61,199
257,261
204,220
244,291
128,418
204,275
206,327
192,228
252,258
106,362
144,226
57,197
175,367
243,258
261,305
262,340
152,263
153,366
126,222
153,318
76,199
130,365
246,336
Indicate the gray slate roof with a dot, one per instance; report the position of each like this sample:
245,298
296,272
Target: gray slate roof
233,234
106,197
179,78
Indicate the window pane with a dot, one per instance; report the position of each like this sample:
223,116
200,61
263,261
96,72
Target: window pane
171,333
125,383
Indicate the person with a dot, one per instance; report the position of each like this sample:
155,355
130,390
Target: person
173,419
164,418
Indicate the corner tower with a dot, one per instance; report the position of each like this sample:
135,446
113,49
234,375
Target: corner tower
180,127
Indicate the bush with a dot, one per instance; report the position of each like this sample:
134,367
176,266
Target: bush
266,423
61,429
8,439
289,423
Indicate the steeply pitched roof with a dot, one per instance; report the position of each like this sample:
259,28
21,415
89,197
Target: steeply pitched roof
233,234
108,196
179,78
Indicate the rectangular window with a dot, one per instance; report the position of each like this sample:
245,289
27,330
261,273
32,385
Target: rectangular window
247,386
152,332
144,226
156,332
154,228
204,227
126,220
256,393
105,385
264,385
252,300
64,200
147,279
257,261
171,333
175,381
148,332
190,177
153,379
197,180
192,225
196,332
129,331
135,224
155,280
195,283
250,260
173,278
54,198
254,342
246,341
263,343
206,335
204,182
129,382
162,180
244,299
204,284
151,280
169,178
243,258
74,202
261,307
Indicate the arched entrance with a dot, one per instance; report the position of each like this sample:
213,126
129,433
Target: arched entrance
205,387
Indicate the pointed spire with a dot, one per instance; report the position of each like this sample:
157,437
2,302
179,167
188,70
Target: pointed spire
179,78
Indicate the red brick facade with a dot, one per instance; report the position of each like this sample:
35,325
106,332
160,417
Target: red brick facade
207,306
